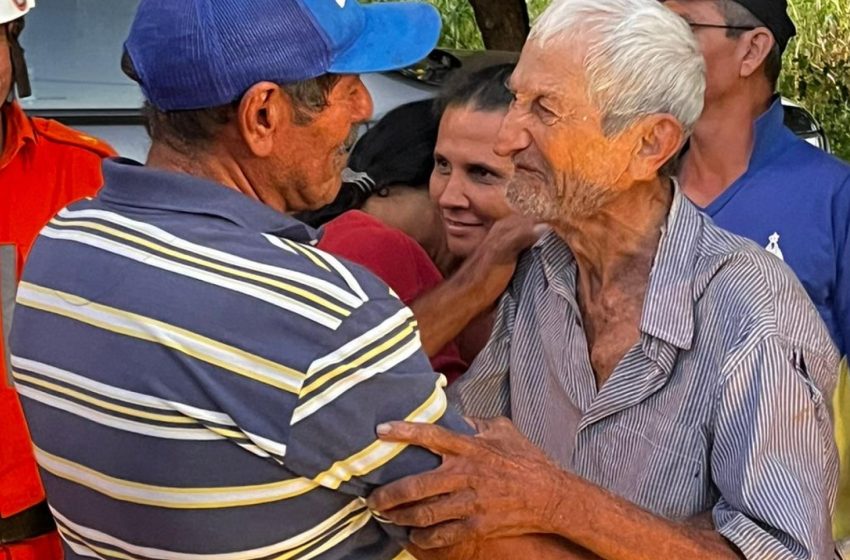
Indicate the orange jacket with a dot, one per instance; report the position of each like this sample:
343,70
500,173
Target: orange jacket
43,167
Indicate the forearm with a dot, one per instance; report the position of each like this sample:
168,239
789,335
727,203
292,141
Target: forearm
616,529
446,310
537,547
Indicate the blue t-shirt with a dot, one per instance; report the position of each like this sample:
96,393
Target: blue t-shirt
794,200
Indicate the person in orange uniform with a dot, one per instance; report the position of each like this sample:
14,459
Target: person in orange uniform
43,167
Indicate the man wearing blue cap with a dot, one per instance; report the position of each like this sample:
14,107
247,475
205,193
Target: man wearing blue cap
213,382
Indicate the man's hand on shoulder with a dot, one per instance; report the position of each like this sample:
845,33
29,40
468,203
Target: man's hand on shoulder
501,248
493,484
476,286
497,496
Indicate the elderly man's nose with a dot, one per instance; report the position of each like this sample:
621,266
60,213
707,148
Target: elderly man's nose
512,136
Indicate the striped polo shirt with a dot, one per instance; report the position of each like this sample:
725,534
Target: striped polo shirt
722,405
201,382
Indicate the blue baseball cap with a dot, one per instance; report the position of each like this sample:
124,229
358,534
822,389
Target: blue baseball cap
196,54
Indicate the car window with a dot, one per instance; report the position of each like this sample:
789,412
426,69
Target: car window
73,52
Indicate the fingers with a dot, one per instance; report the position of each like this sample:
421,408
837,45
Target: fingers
492,426
481,425
541,229
519,229
430,436
427,513
440,536
462,551
416,488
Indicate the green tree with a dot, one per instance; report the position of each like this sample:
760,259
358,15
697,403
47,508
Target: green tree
816,69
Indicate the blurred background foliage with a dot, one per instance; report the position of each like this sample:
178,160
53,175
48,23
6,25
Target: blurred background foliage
816,64
816,68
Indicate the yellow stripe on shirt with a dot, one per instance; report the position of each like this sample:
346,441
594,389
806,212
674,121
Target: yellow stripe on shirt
318,300
380,452
360,360
172,497
138,326
101,403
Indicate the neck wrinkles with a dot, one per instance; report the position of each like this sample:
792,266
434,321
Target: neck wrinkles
621,239
214,166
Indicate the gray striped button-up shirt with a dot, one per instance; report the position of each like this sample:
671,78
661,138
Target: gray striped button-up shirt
721,405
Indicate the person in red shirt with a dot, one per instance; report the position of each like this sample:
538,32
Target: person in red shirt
43,167
414,224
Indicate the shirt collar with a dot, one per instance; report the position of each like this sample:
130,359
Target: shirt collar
668,311
668,308
129,183
768,135
19,132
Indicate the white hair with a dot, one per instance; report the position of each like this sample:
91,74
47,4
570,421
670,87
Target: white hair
642,58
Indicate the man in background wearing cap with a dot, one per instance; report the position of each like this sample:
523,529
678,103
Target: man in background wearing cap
213,381
43,167
754,177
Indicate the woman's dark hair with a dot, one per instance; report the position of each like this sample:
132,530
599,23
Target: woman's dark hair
398,150
483,90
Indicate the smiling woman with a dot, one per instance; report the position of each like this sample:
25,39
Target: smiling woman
465,232
469,179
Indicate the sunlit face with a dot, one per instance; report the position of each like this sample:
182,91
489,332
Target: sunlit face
721,53
469,180
313,156
566,167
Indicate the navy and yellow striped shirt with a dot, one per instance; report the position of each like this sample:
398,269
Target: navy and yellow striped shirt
201,382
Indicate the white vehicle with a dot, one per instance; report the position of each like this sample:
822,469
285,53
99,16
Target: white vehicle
73,51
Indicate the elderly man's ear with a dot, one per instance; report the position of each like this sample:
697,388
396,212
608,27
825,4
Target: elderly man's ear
658,139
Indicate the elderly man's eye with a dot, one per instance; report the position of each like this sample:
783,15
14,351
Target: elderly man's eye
510,90
547,115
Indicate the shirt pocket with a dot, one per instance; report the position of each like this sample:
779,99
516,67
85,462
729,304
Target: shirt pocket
663,464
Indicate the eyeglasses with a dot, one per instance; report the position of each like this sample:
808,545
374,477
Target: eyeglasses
718,26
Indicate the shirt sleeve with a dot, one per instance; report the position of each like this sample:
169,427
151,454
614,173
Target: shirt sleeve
774,459
396,259
378,373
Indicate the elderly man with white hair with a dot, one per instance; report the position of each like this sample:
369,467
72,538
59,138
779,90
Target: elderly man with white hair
675,375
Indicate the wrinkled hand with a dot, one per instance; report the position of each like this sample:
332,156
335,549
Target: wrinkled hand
509,237
492,265
493,484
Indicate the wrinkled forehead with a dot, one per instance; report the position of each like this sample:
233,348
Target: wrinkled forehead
555,67
695,11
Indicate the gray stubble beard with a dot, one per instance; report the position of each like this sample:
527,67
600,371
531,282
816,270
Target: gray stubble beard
540,200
